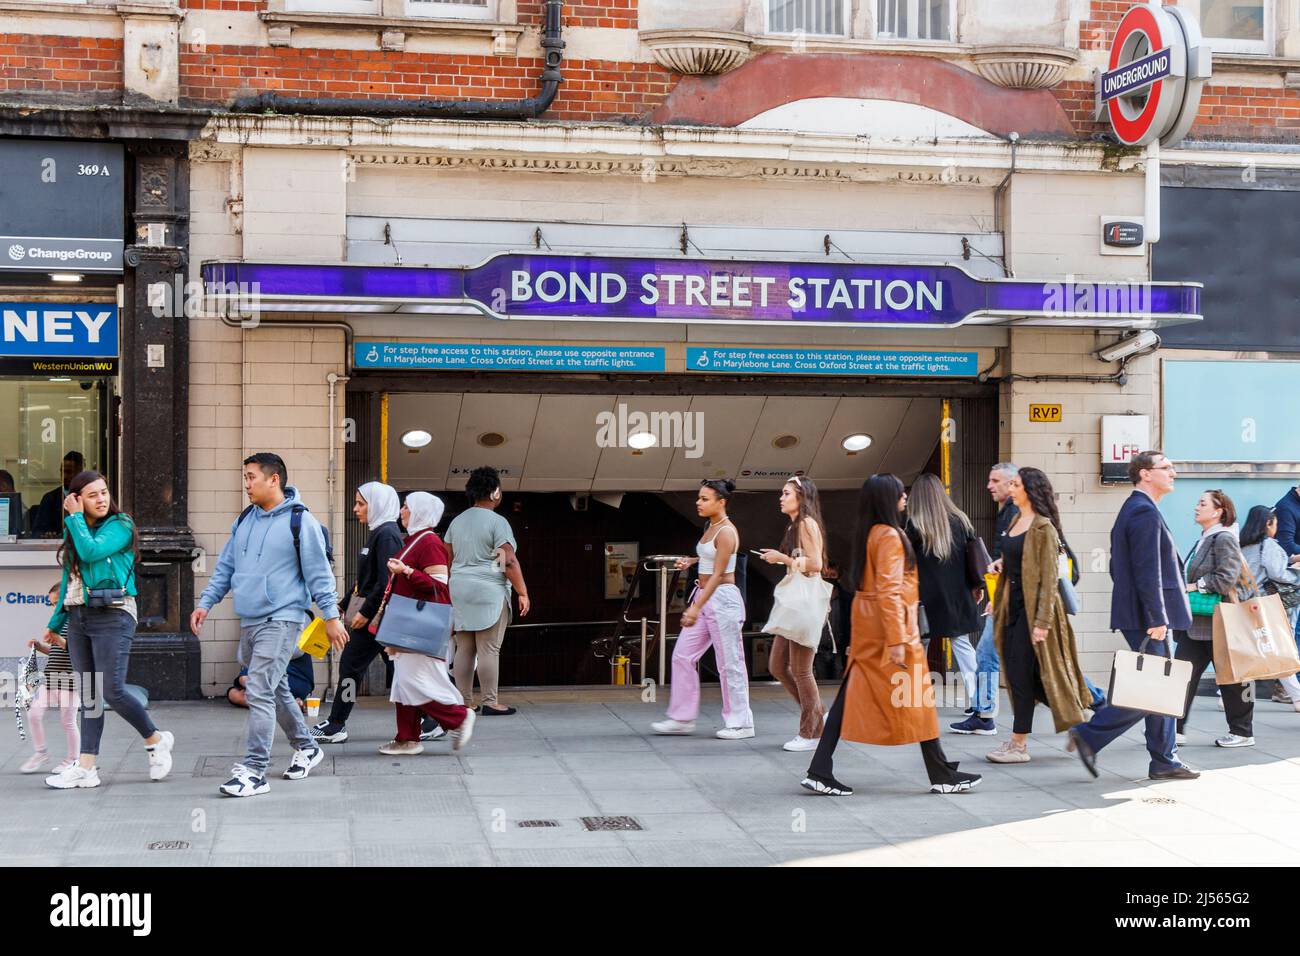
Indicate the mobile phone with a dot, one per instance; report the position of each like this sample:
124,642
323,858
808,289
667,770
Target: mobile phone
759,553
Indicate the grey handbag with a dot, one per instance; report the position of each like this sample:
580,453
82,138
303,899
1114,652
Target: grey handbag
419,626
1069,596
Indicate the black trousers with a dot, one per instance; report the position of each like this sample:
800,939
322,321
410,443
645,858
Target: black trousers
1238,703
359,651
937,765
1024,680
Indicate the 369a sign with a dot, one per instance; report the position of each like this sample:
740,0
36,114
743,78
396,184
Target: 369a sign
1158,65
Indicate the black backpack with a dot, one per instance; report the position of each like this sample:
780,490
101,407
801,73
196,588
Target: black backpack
295,528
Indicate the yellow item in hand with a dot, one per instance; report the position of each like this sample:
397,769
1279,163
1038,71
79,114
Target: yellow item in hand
990,584
313,639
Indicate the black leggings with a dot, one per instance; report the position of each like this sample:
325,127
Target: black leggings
359,651
1024,680
1239,708
937,765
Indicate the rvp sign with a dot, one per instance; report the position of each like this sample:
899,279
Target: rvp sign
1044,413
1151,88
48,330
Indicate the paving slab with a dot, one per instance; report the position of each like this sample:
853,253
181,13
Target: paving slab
574,752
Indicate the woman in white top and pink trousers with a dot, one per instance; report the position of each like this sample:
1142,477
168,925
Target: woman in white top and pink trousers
714,619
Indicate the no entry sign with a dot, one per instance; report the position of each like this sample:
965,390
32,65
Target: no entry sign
1158,65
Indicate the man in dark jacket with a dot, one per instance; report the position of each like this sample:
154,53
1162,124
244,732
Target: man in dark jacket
1149,600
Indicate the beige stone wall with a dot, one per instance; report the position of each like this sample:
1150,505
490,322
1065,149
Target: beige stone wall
260,388
1070,453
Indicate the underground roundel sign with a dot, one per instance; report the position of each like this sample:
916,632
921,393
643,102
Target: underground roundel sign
1158,64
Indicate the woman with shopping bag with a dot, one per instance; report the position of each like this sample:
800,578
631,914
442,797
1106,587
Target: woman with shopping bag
801,603
1214,573
418,581
1268,562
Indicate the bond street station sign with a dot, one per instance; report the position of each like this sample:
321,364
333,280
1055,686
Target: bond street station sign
62,206
707,291
1158,66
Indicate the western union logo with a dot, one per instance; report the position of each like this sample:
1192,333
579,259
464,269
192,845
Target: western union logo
1044,413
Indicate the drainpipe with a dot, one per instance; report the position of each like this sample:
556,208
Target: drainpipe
999,226
1152,218
530,108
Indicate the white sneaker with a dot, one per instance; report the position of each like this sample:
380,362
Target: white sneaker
63,765
160,756
75,776
735,733
1180,739
799,744
461,735
242,783
402,748
34,763
302,762
1232,740
671,726
437,733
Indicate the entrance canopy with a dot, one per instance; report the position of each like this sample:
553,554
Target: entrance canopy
746,292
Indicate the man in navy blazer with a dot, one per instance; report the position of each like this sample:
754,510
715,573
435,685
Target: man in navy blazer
1148,601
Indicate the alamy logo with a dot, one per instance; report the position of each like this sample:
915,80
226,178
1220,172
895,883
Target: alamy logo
75,908
624,429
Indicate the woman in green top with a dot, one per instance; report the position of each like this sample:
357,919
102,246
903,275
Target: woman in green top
97,602
484,568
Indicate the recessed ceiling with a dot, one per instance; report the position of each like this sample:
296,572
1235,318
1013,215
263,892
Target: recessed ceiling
578,442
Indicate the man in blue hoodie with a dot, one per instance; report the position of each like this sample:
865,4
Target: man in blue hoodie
274,580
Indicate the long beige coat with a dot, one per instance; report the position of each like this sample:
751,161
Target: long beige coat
884,703
1058,656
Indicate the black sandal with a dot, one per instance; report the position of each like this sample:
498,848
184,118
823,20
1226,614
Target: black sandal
483,710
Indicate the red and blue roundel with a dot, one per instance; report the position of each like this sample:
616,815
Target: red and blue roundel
1138,41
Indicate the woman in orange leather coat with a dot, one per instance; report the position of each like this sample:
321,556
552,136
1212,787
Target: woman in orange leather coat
887,696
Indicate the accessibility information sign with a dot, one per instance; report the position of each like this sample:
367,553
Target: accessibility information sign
499,357
832,362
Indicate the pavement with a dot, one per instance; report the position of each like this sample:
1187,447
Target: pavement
518,793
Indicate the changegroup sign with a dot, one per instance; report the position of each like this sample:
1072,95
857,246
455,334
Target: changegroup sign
1158,65
63,206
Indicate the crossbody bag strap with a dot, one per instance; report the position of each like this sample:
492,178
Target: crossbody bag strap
388,588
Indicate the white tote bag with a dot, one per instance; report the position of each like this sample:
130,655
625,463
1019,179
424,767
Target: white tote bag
800,605
1151,683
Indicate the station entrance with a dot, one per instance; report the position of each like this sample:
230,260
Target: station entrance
600,472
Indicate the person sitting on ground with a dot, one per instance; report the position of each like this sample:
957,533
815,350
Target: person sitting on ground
302,681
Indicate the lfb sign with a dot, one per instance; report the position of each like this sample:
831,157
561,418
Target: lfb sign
1158,65
1122,437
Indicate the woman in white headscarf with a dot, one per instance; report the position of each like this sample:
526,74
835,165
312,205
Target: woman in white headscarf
376,506
421,685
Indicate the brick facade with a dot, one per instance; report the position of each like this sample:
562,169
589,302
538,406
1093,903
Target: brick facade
60,64
592,89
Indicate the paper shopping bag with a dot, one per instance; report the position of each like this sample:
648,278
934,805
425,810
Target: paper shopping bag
1253,641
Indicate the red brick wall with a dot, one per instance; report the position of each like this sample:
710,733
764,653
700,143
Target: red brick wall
621,14
591,89
59,65
244,5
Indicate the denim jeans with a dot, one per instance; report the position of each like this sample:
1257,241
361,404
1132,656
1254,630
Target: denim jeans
265,650
987,667
99,643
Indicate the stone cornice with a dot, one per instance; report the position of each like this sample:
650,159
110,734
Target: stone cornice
564,147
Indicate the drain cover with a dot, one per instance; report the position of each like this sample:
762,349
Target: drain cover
1160,800
538,823
611,823
169,845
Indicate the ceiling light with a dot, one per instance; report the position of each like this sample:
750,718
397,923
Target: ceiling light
66,276
416,438
856,442
642,440
785,441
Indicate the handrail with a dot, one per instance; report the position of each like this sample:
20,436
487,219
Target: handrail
561,624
